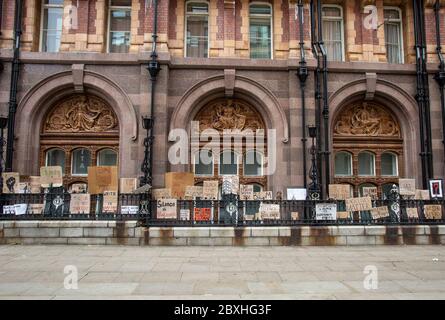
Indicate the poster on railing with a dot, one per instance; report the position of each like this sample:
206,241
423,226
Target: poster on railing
129,210
297,194
230,184
11,182
109,202
79,188
407,187
326,211
164,193
269,211
343,215
246,192
263,195
359,204
412,213
23,188
51,176
184,214
15,209
295,216
339,191
433,212
380,213
193,192
35,208
80,203
177,183
128,185
210,190
166,209
202,214
422,195
34,184
102,178
370,192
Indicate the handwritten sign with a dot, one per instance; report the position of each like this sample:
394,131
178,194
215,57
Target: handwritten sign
166,209
110,202
339,191
296,194
101,179
80,203
246,192
263,195
23,187
407,187
422,195
128,185
11,181
202,214
230,185
370,192
51,176
129,210
15,209
359,204
193,192
184,214
79,188
269,211
34,184
35,208
295,216
177,182
412,213
161,193
210,190
326,211
380,212
343,215
433,212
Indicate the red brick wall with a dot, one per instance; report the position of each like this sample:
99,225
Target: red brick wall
172,19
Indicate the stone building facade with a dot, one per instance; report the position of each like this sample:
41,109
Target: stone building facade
83,85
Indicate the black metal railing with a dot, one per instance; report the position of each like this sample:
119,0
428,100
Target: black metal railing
229,212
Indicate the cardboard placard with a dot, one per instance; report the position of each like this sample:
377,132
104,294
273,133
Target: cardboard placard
184,214
297,194
129,210
326,211
412,213
343,215
143,189
128,185
34,184
380,212
295,216
202,214
80,203
422,195
407,187
110,202
51,176
269,211
433,212
359,204
370,192
246,192
16,209
249,217
166,209
11,182
210,190
36,208
263,195
230,185
79,188
23,188
339,191
101,179
177,182
193,192
161,193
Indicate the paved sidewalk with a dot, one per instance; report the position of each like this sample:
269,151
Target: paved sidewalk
107,272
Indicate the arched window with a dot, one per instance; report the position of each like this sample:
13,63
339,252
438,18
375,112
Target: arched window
260,31
333,31
55,157
203,164
81,160
343,164
366,164
389,165
107,157
197,29
228,163
253,163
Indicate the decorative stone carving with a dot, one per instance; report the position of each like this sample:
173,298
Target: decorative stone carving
366,120
81,113
228,114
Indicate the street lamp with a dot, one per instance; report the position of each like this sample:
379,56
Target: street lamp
314,187
147,124
3,123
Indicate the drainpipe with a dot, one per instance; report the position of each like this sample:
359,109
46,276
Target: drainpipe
14,84
1,15
440,75
303,75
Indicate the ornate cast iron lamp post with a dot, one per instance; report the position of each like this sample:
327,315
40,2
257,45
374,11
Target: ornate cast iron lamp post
147,124
314,187
3,123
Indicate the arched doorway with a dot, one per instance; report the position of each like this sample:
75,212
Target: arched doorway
242,156
368,147
79,131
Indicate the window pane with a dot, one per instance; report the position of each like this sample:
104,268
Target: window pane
260,9
56,157
260,38
52,29
197,36
81,161
252,164
107,158
389,164
204,163
332,35
54,2
120,23
393,42
201,8
228,163
331,12
343,164
391,14
366,164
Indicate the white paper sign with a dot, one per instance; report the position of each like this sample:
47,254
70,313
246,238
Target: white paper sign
129,210
296,194
326,211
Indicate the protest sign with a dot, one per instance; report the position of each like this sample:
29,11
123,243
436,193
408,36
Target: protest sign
380,212
433,212
263,195
177,182
129,210
11,182
51,176
326,211
343,215
230,185
101,179
246,192
184,214
210,190
339,191
79,188
34,184
412,213
80,203
35,208
269,211
358,204
407,187
161,193
202,214
166,209
295,216
422,195
370,192
128,185
193,192
110,202
297,194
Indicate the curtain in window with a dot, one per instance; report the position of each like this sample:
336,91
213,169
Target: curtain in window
197,36
260,39
393,43
332,34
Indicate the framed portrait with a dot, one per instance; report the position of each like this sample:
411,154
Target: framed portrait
436,189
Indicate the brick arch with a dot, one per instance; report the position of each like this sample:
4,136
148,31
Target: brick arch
41,97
